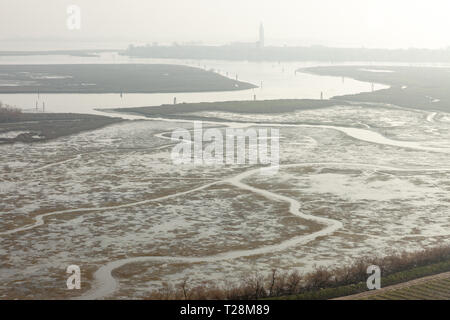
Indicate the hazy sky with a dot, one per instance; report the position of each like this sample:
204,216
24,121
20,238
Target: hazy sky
370,23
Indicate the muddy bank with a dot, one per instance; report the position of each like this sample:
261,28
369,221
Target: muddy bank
249,107
423,88
40,127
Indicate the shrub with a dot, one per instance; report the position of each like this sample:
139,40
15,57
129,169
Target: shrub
321,283
8,113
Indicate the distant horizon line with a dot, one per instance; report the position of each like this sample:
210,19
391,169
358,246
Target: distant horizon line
137,42
174,44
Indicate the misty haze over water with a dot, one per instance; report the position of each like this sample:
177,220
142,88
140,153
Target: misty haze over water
108,24
224,150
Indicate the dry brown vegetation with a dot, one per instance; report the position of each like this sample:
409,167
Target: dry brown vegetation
8,113
276,284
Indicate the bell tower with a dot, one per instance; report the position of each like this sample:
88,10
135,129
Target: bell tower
261,35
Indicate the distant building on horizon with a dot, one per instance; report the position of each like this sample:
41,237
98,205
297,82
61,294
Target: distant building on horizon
258,44
261,36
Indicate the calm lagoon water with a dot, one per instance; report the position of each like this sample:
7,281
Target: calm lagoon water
276,81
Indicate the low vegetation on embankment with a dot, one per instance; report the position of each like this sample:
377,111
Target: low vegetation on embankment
16,126
8,113
322,283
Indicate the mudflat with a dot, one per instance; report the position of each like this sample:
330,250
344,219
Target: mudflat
39,127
